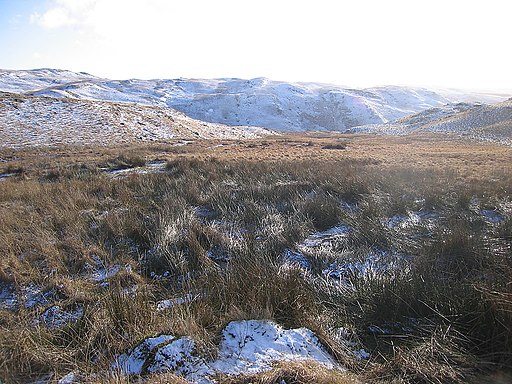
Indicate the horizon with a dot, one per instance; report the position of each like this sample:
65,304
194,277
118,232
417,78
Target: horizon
366,44
501,92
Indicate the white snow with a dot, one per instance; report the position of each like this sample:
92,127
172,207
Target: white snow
101,273
169,303
480,121
247,346
179,357
292,257
236,102
411,219
251,346
71,378
35,296
43,121
132,362
56,317
8,297
361,354
326,237
5,176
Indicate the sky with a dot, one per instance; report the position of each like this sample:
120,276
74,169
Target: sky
358,43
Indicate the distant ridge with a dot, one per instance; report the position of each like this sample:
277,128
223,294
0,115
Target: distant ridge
479,121
257,102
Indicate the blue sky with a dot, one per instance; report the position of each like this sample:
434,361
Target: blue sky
436,43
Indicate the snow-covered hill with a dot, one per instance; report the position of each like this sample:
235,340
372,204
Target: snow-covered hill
26,81
493,122
36,120
257,102
481,121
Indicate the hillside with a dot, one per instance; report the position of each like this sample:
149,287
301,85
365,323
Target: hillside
36,120
493,122
488,122
257,102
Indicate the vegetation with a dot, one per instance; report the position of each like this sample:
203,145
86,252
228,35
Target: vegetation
421,278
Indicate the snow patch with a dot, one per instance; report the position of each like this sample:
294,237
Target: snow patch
292,257
491,216
169,303
71,378
179,357
361,354
5,176
55,317
326,238
8,297
247,346
35,296
132,362
251,346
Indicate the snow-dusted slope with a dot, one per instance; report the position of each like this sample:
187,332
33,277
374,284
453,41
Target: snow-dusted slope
408,124
36,120
493,122
256,102
26,81
481,121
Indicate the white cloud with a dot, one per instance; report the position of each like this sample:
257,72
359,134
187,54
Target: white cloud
55,18
63,13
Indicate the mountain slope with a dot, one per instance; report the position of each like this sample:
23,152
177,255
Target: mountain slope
481,121
493,122
26,81
35,120
256,102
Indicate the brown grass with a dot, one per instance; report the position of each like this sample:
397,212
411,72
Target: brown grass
64,216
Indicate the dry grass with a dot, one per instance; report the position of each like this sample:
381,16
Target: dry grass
215,223
296,373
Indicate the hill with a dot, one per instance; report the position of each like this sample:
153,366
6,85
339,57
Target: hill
36,120
257,102
481,121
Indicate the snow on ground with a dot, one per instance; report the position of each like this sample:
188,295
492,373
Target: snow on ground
30,296
42,121
71,378
100,273
27,81
412,219
492,216
484,122
325,238
132,362
57,317
247,346
8,297
292,257
374,263
5,176
162,305
153,167
35,296
250,346
237,102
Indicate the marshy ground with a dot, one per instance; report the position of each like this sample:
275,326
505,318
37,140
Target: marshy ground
395,252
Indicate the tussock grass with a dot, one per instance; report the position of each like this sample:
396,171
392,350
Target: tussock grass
215,229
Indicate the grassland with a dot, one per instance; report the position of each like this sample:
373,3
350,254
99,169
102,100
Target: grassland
421,278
